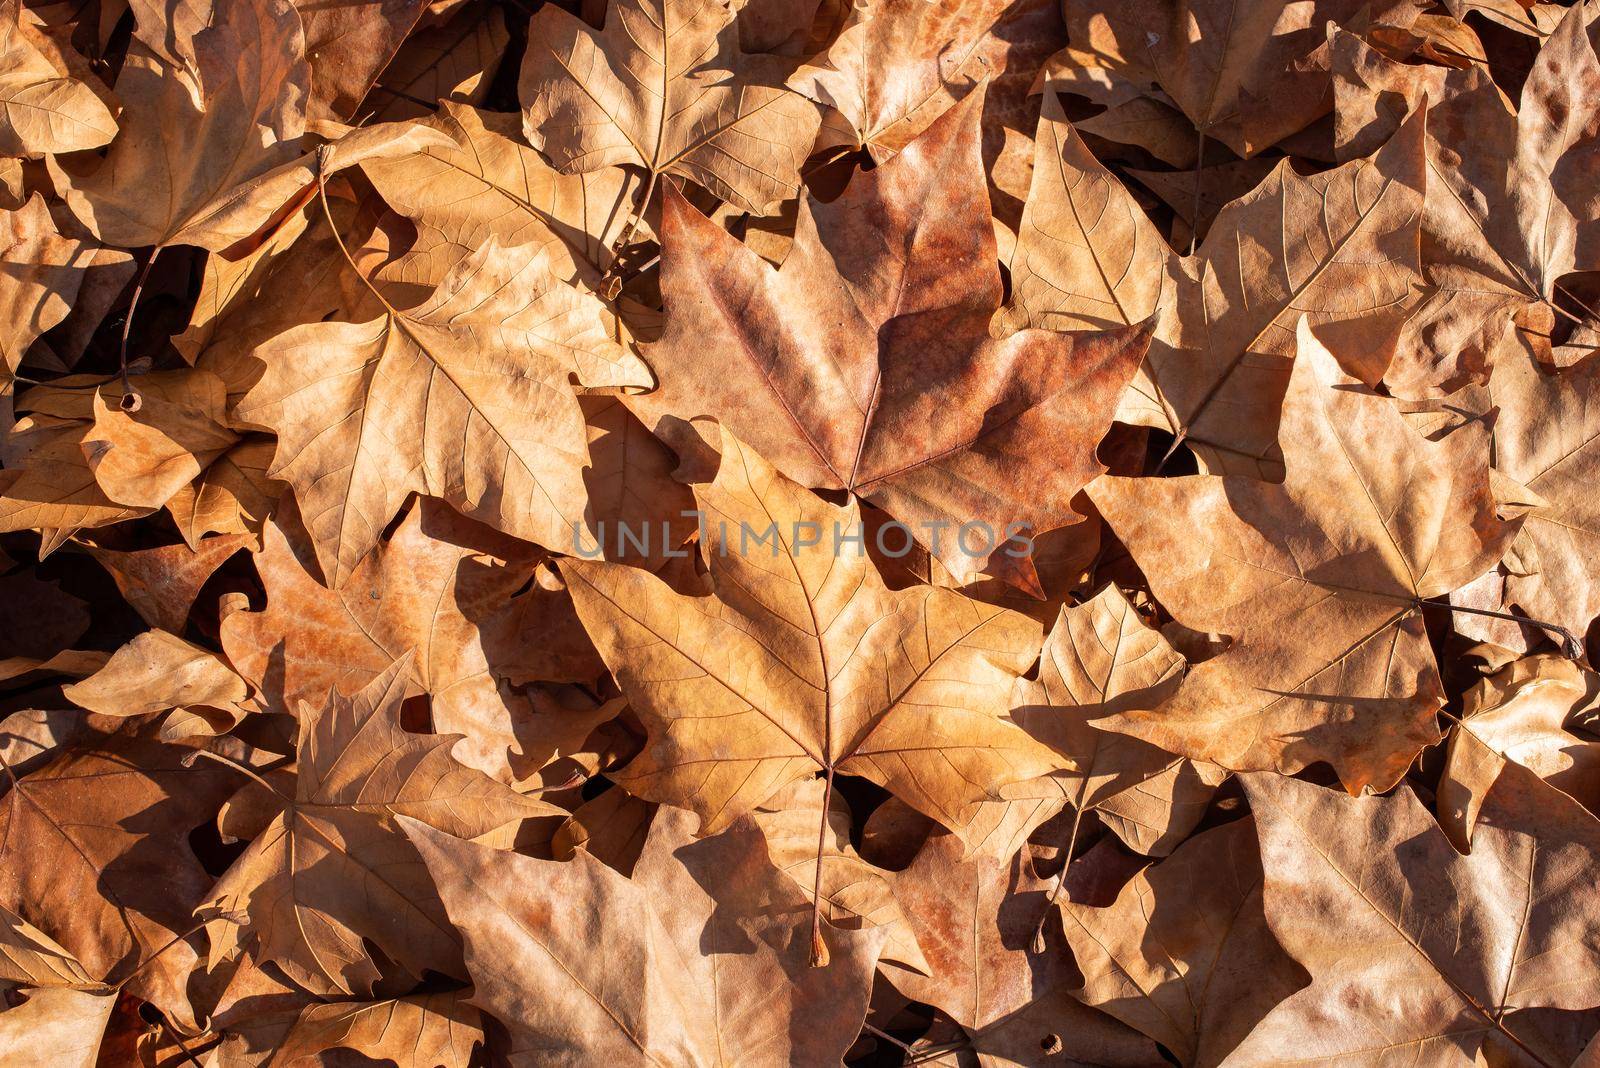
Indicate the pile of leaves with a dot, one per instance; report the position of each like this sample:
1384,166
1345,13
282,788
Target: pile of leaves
498,509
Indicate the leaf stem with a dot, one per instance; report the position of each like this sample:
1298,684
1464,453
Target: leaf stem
1061,880
819,948
633,223
130,399
248,773
1571,646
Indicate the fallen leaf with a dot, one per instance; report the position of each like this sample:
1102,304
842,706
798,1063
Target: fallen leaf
357,772
1319,582
866,364
712,114
710,966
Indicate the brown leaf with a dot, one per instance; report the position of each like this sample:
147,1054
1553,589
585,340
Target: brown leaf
439,586
975,919
1101,659
901,64
866,364
802,661
296,885
709,963
464,397
58,1027
1339,247
43,107
348,43
40,272
1547,437
1318,581
198,93
490,183
157,671
1247,77
712,114
93,852
1414,950
1519,714
413,1032
855,895
1184,954
161,584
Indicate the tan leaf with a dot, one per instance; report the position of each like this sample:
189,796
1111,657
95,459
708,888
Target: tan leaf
464,397
40,272
414,1032
439,586
865,363
1521,714
665,87
233,496
707,962
975,919
1339,247
900,64
357,772
1245,76
1416,952
802,661
1184,954
94,852
1101,659
1318,582
157,671
490,183
1547,437
196,105
453,61
855,894
348,43
43,108
58,1027
162,583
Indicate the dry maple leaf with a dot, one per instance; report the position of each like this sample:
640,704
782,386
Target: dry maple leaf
93,852
701,959
423,1031
1318,581
490,183
1101,659
157,671
1184,954
43,108
865,362
1519,714
1510,188
665,87
451,58
803,661
854,893
900,64
40,272
1416,952
162,584
1339,247
210,100
333,869
464,397
56,1026
975,919
1547,437
441,586
1247,75
348,43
